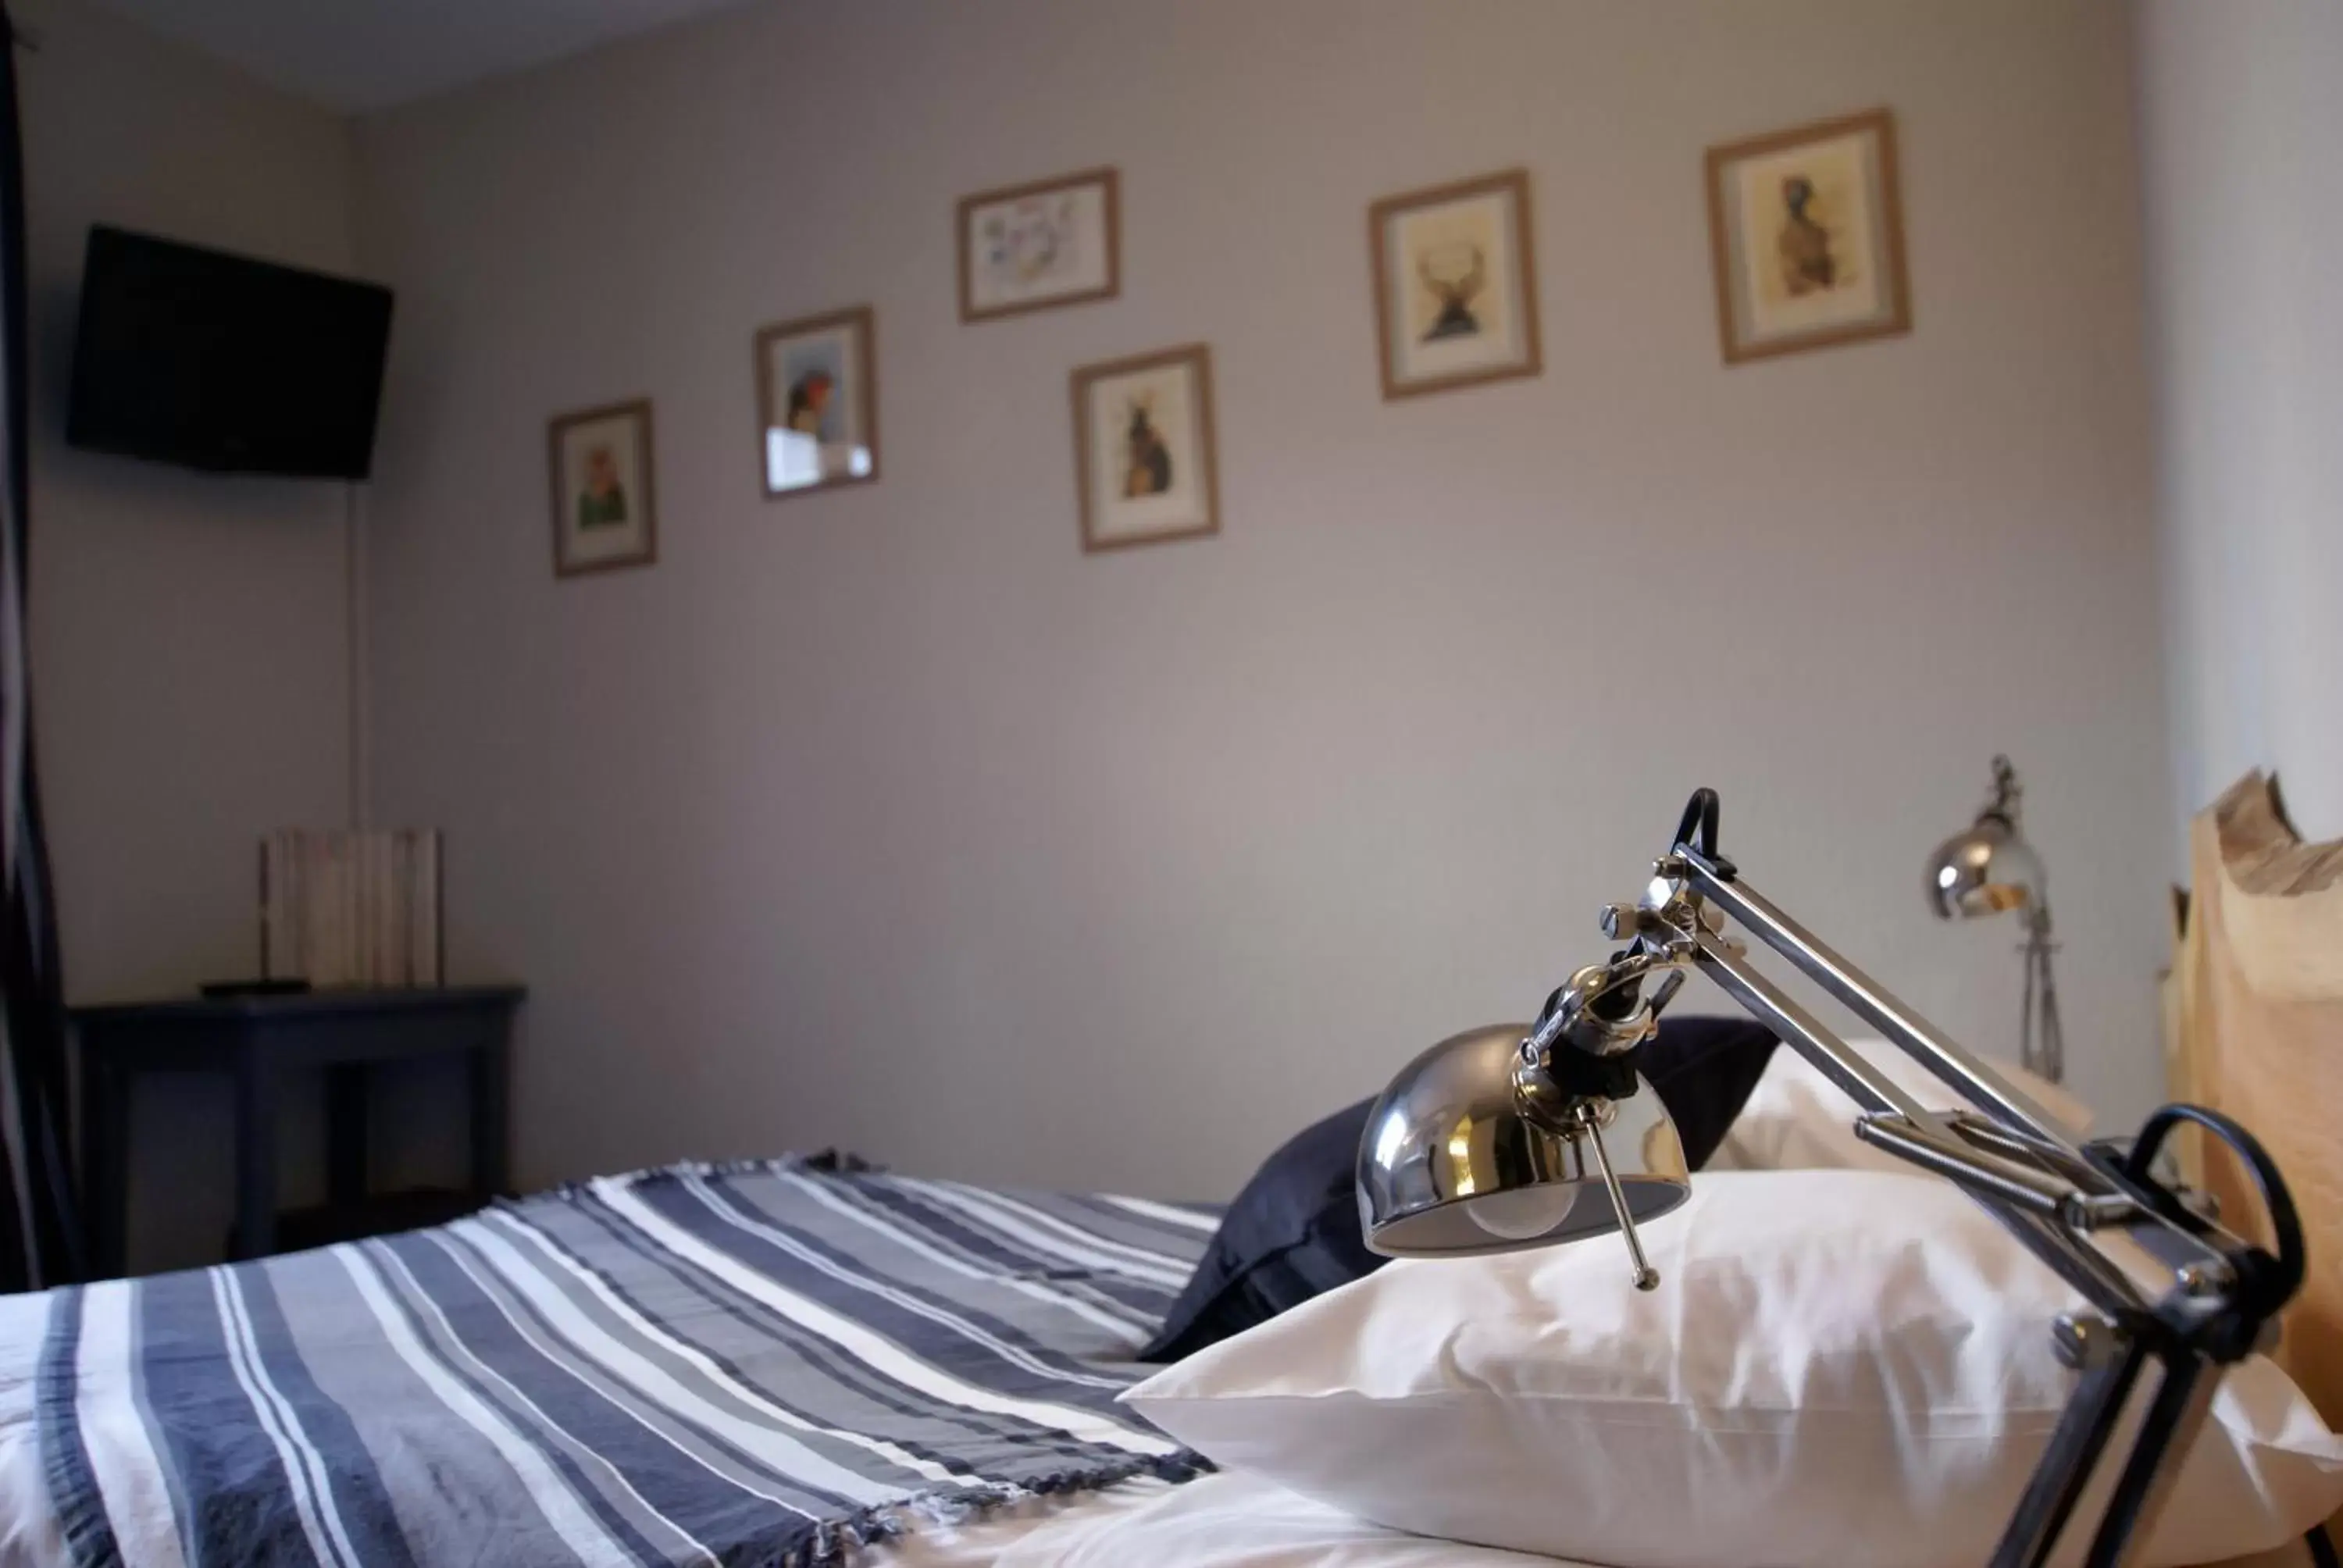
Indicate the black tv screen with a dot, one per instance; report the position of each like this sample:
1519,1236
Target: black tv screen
216,361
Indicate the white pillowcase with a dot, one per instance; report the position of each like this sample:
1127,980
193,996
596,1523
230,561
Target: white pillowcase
1839,1368
1795,1119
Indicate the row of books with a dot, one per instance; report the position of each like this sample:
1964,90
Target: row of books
352,908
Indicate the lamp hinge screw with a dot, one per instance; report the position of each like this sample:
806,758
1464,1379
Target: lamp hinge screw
2204,1279
2082,1343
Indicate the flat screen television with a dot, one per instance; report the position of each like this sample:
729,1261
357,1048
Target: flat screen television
216,361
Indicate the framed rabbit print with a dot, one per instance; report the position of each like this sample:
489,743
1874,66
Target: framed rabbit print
1143,450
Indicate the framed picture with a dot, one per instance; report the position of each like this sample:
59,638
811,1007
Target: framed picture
1030,247
604,514
1456,288
1143,453
1807,231
818,403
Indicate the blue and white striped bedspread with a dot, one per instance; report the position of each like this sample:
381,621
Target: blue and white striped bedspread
763,1363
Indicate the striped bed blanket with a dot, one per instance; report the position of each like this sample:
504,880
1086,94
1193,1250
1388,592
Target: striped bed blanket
769,1362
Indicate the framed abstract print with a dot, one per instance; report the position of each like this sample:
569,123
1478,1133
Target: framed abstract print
1030,247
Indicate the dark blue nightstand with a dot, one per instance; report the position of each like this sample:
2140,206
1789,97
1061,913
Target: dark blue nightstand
255,1039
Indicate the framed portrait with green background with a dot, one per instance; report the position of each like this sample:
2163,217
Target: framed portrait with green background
605,512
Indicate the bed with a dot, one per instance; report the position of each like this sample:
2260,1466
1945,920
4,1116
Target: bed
802,1361
782,1362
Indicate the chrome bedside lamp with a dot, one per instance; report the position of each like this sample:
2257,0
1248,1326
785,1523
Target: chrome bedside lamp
1990,869
1476,1147
1505,1138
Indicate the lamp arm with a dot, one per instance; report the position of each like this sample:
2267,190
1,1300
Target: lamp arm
2010,1136
1965,1073
2056,1196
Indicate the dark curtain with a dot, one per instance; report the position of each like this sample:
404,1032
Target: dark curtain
40,1238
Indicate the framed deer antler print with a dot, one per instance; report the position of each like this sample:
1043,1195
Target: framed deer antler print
1144,451
1456,285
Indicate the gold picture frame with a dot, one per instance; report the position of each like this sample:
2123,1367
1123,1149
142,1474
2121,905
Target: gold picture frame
1146,463
1455,282
1040,245
1832,269
604,488
818,403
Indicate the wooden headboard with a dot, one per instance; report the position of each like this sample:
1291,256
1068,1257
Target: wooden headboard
2259,1018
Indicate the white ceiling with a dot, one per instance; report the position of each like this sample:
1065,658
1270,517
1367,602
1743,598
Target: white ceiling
356,55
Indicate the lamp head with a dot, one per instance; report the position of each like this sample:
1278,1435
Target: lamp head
1477,1147
1989,868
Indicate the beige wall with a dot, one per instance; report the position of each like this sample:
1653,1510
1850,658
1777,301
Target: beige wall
888,820
2241,118
189,674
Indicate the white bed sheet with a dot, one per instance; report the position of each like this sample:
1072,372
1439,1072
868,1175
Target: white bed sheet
29,1537
1233,1520
986,1542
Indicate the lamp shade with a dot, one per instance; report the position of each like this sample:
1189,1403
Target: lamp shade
1985,870
1989,869
1453,1161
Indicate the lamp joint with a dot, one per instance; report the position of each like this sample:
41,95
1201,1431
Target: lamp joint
2083,1342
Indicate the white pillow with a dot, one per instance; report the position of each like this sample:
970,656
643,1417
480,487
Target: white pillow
1795,1119
1839,1368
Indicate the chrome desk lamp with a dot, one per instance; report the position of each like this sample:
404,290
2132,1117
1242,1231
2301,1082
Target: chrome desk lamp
1506,1138
1989,868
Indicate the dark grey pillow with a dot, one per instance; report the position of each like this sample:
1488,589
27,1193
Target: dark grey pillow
1293,1232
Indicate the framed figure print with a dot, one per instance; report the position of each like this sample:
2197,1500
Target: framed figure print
1031,247
604,511
1455,289
1806,231
1143,453
818,403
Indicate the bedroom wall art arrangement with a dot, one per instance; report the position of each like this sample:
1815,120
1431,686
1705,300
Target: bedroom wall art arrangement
1805,227
893,781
